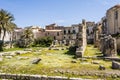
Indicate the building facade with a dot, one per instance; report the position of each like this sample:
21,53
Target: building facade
6,37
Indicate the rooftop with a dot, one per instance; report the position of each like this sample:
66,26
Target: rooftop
53,30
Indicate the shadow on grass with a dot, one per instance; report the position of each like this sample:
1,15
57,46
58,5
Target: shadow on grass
71,51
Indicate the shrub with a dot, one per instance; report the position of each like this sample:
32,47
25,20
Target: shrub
43,42
72,50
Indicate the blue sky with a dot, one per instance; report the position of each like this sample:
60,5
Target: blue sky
62,12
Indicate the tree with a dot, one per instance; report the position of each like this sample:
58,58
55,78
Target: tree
10,31
6,19
26,38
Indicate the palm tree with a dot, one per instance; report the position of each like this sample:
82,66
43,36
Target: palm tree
5,21
26,38
10,31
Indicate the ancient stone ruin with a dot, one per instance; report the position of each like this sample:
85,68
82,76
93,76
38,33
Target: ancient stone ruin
81,39
36,61
108,46
115,65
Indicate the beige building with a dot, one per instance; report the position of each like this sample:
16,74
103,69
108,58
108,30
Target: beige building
17,33
54,31
70,34
55,34
113,20
67,35
7,36
37,32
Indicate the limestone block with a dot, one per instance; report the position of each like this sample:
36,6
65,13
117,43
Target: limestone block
115,65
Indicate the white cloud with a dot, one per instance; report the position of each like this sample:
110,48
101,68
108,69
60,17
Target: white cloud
60,21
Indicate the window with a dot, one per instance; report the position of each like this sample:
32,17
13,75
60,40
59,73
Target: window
57,33
48,33
64,31
69,37
68,31
54,38
74,32
116,14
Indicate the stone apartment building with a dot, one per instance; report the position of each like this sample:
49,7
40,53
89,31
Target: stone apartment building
70,34
54,31
65,34
55,34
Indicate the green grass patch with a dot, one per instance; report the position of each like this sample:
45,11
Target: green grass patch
53,63
13,49
91,51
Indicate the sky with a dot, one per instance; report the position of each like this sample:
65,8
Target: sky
61,12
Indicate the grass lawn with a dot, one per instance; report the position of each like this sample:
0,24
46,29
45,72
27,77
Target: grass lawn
13,49
91,51
53,63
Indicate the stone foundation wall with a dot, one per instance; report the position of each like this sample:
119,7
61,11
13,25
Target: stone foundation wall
33,77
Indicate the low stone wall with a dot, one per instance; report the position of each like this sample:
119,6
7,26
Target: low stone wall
115,65
103,58
33,77
103,74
